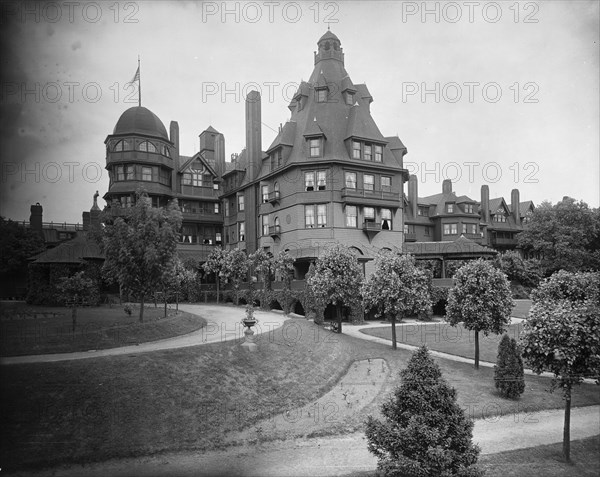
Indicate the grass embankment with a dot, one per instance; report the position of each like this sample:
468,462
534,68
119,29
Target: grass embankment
541,461
28,330
192,398
443,337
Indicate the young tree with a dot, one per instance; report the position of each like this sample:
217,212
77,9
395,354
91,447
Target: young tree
77,290
215,263
562,335
481,299
396,288
140,246
508,372
565,235
235,269
424,430
283,266
263,264
337,279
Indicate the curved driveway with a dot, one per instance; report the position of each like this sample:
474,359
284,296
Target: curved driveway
223,324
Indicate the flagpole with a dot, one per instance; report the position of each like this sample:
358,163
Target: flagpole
139,84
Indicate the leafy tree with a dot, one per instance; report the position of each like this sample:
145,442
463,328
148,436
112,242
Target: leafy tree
516,269
481,299
17,244
424,431
77,290
397,288
508,372
562,335
283,266
175,278
215,264
337,279
140,246
566,236
235,269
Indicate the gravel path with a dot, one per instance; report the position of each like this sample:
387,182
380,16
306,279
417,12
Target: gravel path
223,324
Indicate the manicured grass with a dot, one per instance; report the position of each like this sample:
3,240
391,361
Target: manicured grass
191,398
455,340
541,461
96,328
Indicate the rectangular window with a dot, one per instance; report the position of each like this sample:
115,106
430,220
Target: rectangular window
240,203
355,150
368,152
427,231
265,225
321,180
146,173
386,219
309,216
351,180
120,173
464,228
309,181
129,173
276,159
369,182
351,215
226,208
218,238
450,229
378,153
386,184
315,147
349,99
216,209
321,215
469,208
321,95
126,201
265,193
242,231
405,228
449,208
369,213
472,228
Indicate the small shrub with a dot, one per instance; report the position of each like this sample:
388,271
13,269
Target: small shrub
425,431
127,309
508,372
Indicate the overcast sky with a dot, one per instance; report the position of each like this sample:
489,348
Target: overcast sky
527,75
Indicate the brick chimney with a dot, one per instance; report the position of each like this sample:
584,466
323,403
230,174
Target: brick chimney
514,206
86,220
485,203
35,219
447,186
253,134
413,195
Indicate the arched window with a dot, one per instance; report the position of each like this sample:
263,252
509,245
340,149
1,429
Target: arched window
166,151
123,145
276,187
276,222
147,146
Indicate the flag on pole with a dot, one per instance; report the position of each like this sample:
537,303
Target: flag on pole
136,76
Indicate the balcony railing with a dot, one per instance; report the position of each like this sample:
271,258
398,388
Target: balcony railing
274,196
410,237
370,194
371,226
274,230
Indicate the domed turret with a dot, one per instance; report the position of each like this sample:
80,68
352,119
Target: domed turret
330,47
140,120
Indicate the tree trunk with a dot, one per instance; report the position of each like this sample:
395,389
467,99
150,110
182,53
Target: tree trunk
120,294
567,428
339,317
476,349
166,305
217,289
74,317
394,345
155,304
177,302
142,309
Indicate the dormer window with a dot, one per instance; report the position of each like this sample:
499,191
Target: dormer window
469,208
368,152
449,208
355,150
378,153
315,147
276,159
321,95
350,98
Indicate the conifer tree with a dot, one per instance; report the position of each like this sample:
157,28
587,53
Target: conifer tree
424,432
508,372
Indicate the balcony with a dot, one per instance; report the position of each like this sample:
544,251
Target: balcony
377,198
199,191
410,237
503,242
199,215
371,228
274,231
273,197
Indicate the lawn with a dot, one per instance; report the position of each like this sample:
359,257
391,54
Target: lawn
541,461
28,329
455,340
193,398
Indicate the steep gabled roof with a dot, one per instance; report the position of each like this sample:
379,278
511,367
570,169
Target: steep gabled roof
362,126
75,251
285,137
313,129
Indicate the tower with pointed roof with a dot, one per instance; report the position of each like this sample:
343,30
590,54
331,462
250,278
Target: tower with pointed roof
329,175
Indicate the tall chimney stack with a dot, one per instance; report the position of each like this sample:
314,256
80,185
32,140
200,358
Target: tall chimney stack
220,155
485,203
174,133
447,186
35,219
413,195
253,134
514,206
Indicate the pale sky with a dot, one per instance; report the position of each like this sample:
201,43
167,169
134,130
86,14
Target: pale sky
527,73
